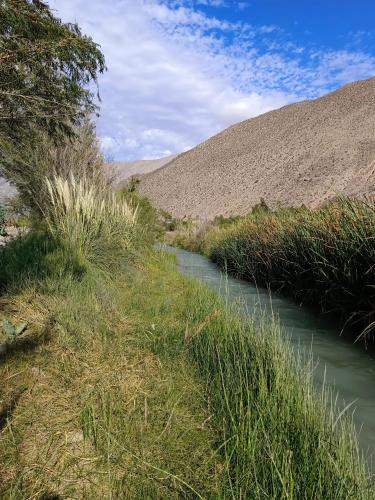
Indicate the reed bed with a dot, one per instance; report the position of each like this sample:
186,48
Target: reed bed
319,256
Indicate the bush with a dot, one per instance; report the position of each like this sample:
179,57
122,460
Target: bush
33,161
87,218
150,225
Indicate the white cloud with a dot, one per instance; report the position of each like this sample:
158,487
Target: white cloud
177,76
242,5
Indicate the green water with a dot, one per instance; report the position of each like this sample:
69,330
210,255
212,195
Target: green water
348,368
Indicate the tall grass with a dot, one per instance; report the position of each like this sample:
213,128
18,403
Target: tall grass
151,388
281,438
88,218
319,256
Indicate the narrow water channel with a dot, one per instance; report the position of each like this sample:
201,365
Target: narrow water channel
344,365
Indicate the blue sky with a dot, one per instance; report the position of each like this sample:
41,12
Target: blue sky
180,71
315,22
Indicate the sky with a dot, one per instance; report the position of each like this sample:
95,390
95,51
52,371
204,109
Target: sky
179,71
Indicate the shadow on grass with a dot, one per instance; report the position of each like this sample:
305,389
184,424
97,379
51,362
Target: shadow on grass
34,256
29,343
8,407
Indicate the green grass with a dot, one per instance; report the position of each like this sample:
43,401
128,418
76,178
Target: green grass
280,437
320,256
143,384
103,413
161,395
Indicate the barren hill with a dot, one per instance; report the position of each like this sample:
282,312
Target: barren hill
6,190
121,171
307,153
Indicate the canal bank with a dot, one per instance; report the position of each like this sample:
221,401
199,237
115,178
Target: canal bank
338,363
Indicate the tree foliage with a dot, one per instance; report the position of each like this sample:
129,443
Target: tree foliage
32,162
45,67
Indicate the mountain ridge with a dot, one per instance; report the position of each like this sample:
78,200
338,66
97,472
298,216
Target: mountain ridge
303,153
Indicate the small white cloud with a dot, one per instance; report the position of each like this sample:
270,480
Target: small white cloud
212,3
242,5
109,145
177,75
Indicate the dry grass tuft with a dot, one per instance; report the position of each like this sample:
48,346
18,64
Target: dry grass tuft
87,217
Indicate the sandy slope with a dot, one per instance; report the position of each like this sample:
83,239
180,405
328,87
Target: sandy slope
123,170
302,153
5,190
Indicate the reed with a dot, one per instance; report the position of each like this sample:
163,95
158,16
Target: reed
319,256
281,438
88,218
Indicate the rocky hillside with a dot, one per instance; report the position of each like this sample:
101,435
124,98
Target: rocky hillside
121,171
306,153
6,190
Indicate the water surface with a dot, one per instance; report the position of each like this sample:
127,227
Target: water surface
345,366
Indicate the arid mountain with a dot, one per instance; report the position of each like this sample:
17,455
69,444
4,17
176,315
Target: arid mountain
121,171
6,190
307,152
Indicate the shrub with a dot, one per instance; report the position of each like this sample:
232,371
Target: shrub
33,161
87,218
150,226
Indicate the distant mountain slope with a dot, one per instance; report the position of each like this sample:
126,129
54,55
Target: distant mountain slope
123,170
119,171
6,190
306,152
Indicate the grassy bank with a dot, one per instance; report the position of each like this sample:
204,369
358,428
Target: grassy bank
134,382
323,257
161,394
89,408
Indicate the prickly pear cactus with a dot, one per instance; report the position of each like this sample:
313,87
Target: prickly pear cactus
11,331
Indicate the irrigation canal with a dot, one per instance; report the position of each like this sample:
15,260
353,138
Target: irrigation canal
344,366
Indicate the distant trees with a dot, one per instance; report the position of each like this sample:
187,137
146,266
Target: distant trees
45,68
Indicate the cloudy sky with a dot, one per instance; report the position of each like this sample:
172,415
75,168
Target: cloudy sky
181,70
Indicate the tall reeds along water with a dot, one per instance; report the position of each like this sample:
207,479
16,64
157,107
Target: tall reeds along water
280,436
319,256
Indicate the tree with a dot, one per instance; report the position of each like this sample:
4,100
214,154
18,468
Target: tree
35,161
45,66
